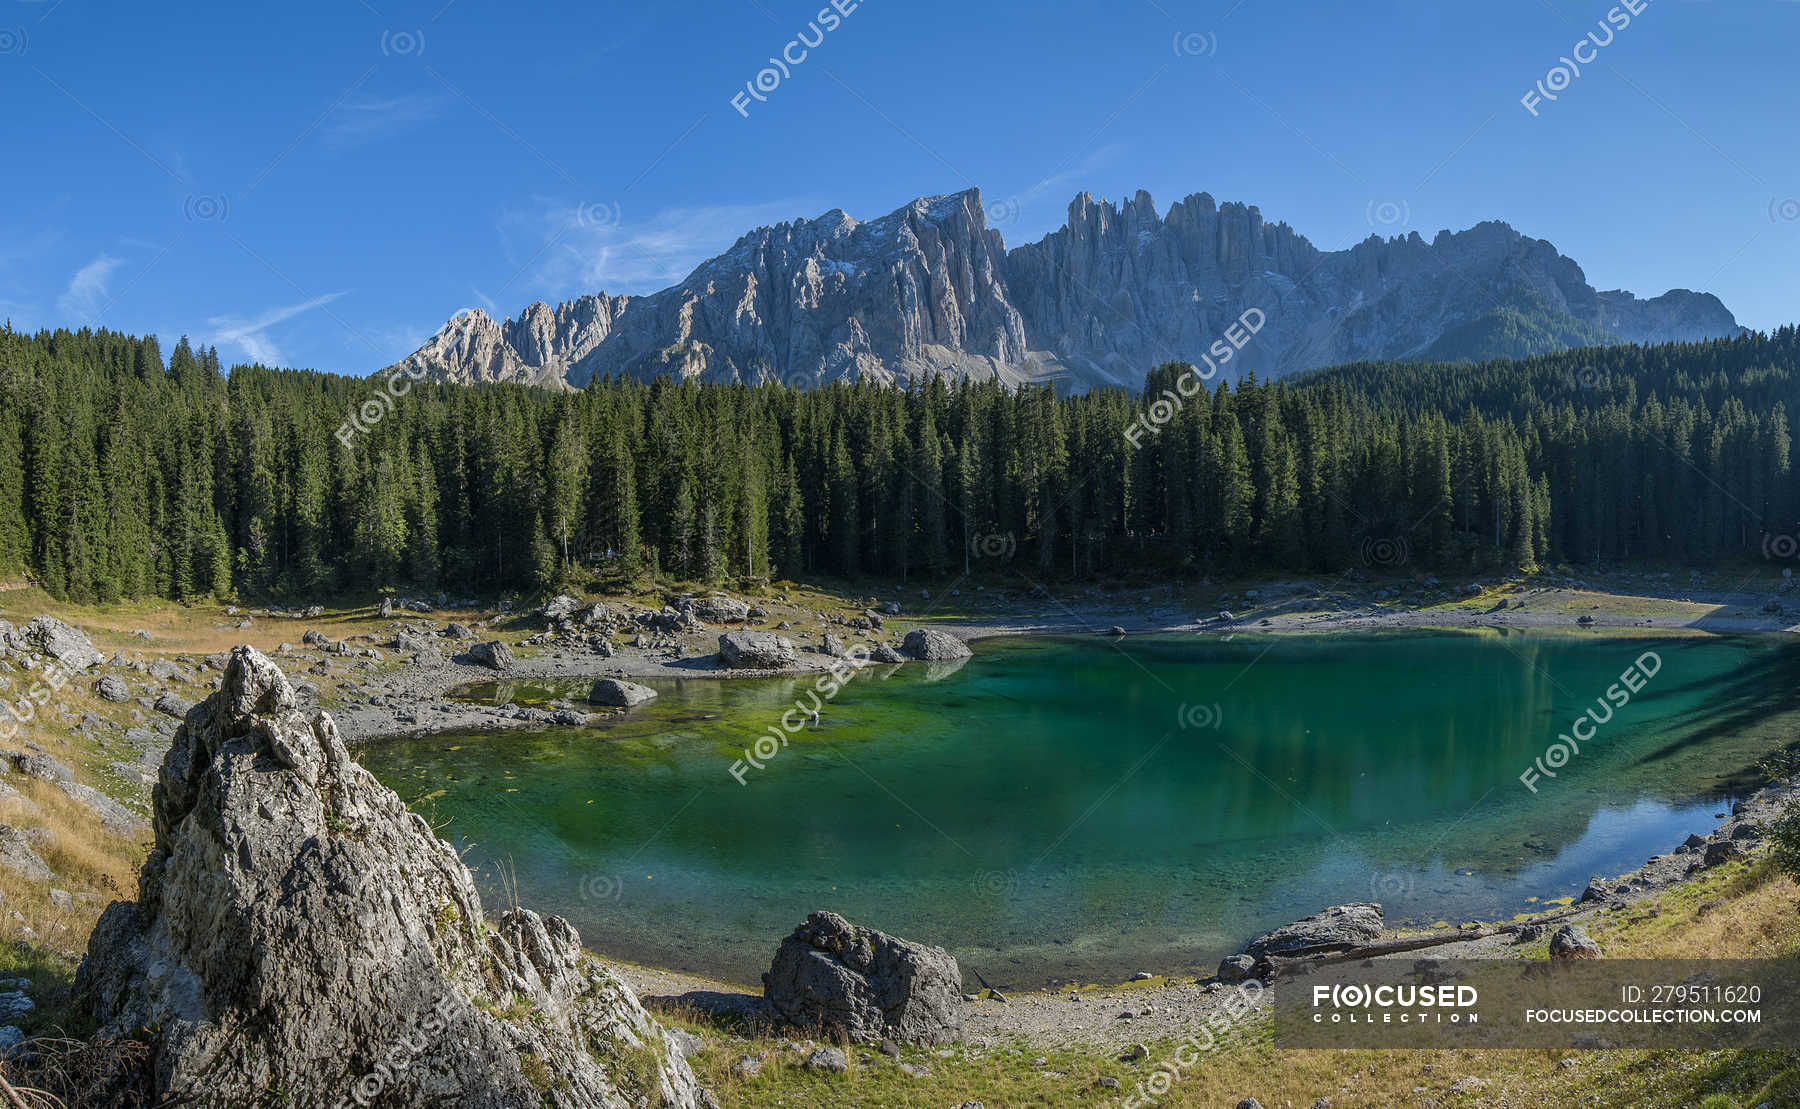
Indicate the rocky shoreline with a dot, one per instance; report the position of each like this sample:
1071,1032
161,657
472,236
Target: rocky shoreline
1154,1006
581,641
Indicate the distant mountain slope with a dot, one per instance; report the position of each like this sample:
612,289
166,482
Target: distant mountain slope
930,288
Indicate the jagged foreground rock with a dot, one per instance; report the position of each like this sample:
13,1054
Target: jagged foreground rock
300,938
931,288
837,979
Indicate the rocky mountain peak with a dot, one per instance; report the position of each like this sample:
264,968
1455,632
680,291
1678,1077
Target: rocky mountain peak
298,930
931,289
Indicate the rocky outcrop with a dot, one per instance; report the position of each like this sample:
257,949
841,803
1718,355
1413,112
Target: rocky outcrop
52,638
1120,288
620,694
299,936
932,645
1338,928
756,651
833,978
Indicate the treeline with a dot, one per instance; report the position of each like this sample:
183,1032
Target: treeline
124,474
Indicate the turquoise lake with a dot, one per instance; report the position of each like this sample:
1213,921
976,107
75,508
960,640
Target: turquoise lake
1079,809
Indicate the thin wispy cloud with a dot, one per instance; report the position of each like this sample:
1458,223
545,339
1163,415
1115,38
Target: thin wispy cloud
1065,178
87,291
563,250
362,119
251,335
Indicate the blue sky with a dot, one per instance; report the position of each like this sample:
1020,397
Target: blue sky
322,185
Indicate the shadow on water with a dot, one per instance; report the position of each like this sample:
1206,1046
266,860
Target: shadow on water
1766,686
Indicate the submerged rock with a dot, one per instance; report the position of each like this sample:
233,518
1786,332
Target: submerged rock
756,651
620,694
932,645
837,979
297,929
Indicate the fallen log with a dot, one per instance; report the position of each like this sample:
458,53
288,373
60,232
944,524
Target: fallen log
1416,943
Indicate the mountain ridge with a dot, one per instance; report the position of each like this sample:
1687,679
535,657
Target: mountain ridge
929,289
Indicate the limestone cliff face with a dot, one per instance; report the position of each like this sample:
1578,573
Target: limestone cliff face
300,938
1118,289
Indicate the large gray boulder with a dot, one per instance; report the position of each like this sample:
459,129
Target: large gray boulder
1725,850
492,654
47,635
833,978
620,694
932,645
720,609
174,704
297,929
1338,928
1571,941
756,651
